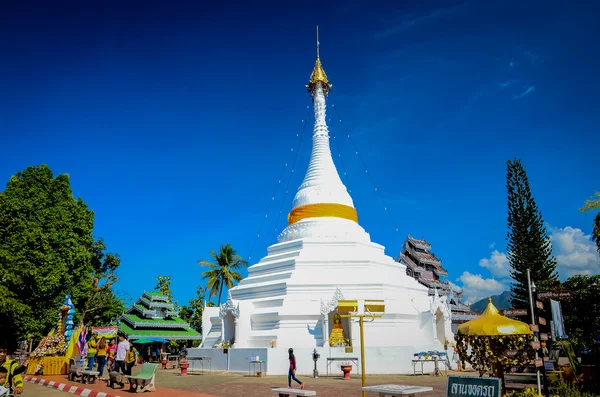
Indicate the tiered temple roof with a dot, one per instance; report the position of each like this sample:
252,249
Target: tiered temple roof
424,266
420,262
154,316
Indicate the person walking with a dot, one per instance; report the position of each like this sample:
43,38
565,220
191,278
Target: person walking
101,356
131,359
92,350
122,349
12,381
292,370
111,352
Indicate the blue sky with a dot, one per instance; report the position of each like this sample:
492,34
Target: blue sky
175,121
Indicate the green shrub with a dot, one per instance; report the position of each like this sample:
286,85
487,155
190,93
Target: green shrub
567,390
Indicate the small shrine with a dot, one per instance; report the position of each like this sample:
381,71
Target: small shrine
338,336
154,316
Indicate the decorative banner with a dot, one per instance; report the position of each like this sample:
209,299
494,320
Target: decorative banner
565,294
107,332
460,386
535,344
542,321
538,362
515,312
544,336
539,305
534,328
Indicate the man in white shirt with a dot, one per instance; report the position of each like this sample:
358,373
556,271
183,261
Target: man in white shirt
122,350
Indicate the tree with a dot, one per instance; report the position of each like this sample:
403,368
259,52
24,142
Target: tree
47,250
528,244
594,204
102,301
582,311
192,313
163,286
223,270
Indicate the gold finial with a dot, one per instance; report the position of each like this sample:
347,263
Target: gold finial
318,74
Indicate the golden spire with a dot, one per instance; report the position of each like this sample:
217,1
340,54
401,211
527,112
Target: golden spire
318,74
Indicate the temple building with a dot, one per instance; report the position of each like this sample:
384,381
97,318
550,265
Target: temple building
290,297
422,264
153,316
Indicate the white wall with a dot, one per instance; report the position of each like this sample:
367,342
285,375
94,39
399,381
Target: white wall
392,360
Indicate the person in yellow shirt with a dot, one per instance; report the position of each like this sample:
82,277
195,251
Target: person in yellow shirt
92,350
131,359
13,382
101,356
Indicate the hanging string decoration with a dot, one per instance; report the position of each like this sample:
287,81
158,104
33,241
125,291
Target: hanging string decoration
362,161
277,187
65,323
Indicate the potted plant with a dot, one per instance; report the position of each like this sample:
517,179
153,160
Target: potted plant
273,342
226,347
348,344
346,368
446,344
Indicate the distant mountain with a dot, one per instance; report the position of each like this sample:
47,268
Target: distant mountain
502,302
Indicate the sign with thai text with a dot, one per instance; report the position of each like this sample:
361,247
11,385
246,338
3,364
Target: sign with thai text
462,386
534,327
515,312
556,294
535,344
542,321
544,336
539,305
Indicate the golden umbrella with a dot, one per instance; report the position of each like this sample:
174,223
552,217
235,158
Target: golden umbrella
490,337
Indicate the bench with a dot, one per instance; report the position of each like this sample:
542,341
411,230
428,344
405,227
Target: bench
88,376
146,375
284,392
397,390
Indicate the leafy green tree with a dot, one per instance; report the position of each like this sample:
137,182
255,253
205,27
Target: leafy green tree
47,250
163,285
590,205
582,312
192,313
223,271
528,244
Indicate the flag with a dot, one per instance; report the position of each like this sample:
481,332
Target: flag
81,342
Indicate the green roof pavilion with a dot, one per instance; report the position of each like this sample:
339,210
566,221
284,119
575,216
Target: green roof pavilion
154,316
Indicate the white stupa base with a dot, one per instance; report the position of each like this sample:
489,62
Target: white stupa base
290,296
389,360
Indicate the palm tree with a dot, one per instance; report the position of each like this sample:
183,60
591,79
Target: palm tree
222,271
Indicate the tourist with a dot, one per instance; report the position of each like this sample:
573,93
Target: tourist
122,349
101,356
91,356
292,370
131,359
13,382
112,350
456,359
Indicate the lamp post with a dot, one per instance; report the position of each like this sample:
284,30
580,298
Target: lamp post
360,309
531,288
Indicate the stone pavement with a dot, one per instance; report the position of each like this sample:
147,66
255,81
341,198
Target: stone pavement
100,386
234,385
171,383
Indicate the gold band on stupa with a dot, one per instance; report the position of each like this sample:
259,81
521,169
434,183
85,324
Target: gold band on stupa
322,210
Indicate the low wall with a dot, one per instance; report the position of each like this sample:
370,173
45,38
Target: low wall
390,360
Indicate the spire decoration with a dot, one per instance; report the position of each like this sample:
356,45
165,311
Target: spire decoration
318,74
322,193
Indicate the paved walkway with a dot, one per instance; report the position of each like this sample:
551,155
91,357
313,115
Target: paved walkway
100,389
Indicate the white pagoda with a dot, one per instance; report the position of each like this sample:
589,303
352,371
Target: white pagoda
289,298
